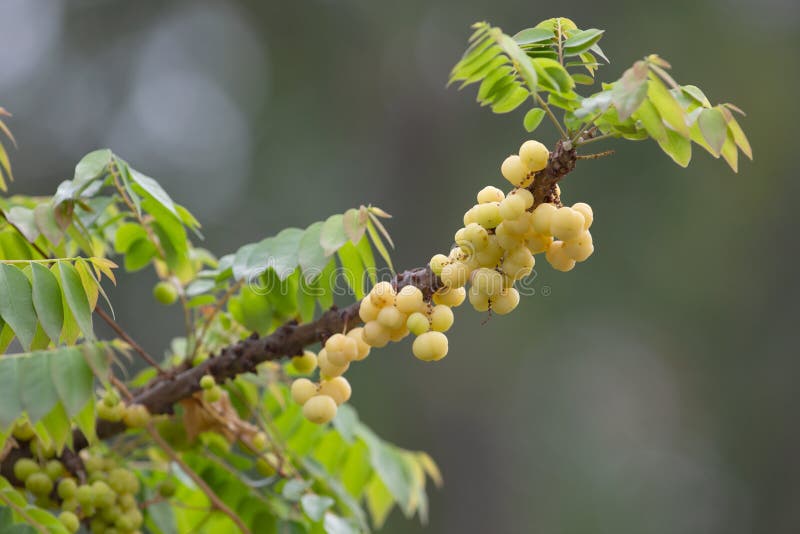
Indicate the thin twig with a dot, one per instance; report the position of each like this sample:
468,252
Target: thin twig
552,116
560,44
594,139
128,339
207,324
597,155
205,488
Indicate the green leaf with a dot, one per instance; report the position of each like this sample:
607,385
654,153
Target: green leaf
92,166
46,222
338,525
10,402
714,129
14,247
630,91
293,489
23,220
583,79
323,284
533,118
736,131
352,268
72,379
47,301
669,109
16,304
315,505
76,298
379,501
582,41
552,76
378,244
310,254
284,251
696,94
126,235
37,393
512,101
367,258
355,223
139,254
332,235
148,187
729,152
532,36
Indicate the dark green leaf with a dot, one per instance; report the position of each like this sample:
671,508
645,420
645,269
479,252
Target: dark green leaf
72,379
10,400
38,395
47,301
582,42
533,35
16,304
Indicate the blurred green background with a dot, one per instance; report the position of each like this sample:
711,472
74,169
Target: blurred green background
652,390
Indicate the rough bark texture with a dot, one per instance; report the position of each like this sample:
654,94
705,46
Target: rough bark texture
164,391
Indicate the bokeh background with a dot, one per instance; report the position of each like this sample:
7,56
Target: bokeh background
652,390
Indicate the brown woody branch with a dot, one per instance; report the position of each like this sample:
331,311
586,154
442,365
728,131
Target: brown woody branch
164,391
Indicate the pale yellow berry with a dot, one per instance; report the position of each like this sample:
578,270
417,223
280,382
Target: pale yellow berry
327,367
341,349
585,210
526,195
356,334
490,194
302,390
320,409
409,300
305,363
455,274
490,256
566,224
469,216
430,346
391,318
581,248
534,155
558,258
542,216
337,388
488,215
477,236
506,301
398,333
367,310
514,171
505,237
438,262
375,334
418,323
487,281
450,296
441,318
520,257
512,207
478,299
538,243
382,294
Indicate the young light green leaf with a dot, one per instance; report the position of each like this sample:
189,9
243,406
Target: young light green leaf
533,36
315,505
45,219
23,220
630,91
76,298
533,118
378,244
16,304
148,187
669,109
352,268
139,254
126,235
332,236
714,128
367,258
355,223
47,301
379,501
310,254
582,41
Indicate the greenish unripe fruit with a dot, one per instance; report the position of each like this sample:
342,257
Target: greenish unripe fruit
260,441
70,521
306,363
418,323
207,382
39,484
85,495
136,416
54,469
212,395
167,488
25,467
23,431
165,293
67,488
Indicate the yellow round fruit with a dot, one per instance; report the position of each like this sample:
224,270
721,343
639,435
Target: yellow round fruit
357,335
478,299
518,262
515,171
409,300
305,363
489,256
375,334
558,258
136,416
487,281
341,349
382,294
469,215
512,207
488,215
327,367
566,224
506,301
418,323
430,346
455,274
320,409
581,248
541,218
526,195
398,333
337,388
452,297
391,318
367,310
477,237
302,390
490,194
534,155
441,318
585,210
538,243
438,262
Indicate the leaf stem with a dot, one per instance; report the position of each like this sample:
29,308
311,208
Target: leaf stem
128,339
595,139
207,324
552,116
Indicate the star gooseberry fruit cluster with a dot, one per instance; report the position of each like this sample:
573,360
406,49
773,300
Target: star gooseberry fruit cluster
494,250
